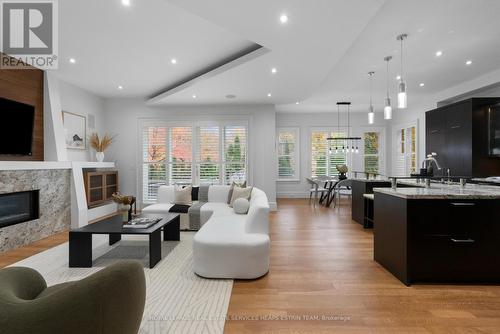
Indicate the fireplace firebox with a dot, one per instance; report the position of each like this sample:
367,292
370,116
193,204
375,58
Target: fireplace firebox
19,207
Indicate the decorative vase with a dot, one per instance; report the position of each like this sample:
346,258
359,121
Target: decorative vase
99,156
125,210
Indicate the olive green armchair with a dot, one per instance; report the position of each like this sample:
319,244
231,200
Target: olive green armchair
107,302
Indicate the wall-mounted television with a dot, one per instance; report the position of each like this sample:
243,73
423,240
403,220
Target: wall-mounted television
16,129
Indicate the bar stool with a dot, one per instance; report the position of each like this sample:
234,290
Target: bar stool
368,220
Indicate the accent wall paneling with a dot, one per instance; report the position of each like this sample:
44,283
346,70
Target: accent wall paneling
25,86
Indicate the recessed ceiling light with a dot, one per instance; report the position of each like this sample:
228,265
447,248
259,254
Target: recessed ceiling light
398,77
297,102
120,87
173,61
439,53
72,60
194,96
269,95
422,84
274,70
283,18
468,62
126,3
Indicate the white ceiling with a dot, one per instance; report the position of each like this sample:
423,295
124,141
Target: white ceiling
322,54
132,46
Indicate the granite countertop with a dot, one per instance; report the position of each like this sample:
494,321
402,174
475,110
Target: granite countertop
370,180
444,191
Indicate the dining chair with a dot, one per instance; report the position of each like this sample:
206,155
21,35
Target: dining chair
315,189
342,187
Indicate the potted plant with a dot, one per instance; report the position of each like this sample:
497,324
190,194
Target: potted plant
342,169
100,145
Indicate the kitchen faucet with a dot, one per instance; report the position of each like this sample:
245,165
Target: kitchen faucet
429,160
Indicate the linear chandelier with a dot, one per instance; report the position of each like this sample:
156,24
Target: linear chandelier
344,141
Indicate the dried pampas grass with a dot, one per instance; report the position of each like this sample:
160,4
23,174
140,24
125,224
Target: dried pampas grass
100,145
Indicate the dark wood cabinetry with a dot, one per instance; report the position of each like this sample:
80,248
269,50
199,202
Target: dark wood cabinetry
359,188
100,186
438,240
458,134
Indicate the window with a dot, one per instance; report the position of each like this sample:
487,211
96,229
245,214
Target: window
372,152
192,153
180,155
288,154
154,155
405,159
235,154
326,155
208,157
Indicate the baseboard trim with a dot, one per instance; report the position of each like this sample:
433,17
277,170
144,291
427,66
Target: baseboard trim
294,194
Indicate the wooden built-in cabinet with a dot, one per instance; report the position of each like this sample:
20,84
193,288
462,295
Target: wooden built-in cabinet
100,186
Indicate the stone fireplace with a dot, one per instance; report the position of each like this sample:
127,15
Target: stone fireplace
34,204
19,207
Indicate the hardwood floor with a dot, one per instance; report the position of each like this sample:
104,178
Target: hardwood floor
13,256
322,266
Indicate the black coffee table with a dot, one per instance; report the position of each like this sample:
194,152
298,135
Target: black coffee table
80,239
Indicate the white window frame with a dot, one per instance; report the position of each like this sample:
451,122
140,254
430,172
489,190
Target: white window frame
342,129
395,143
382,147
194,122
296,131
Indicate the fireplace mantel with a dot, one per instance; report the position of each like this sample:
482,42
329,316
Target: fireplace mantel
39,165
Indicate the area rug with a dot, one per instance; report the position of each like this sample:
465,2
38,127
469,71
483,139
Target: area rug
177,301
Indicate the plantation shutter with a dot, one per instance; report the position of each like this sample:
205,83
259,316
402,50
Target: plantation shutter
180,155
235,154
287,154
208,155
154,148
372,151
337,157
319,153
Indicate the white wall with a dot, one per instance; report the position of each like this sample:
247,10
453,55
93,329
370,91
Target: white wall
79,101
122,115
306,121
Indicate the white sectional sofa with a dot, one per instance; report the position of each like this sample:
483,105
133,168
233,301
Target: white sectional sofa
228,245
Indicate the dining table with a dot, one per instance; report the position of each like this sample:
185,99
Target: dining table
328,183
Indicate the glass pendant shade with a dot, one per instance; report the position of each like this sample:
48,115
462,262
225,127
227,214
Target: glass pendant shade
402,97
371,115
387,109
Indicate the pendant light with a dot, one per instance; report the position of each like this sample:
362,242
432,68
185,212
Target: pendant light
371,114
388,108
402,95
348,143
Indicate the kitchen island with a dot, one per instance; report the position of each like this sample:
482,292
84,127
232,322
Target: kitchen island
442,234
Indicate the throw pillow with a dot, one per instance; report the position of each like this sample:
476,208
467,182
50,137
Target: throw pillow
234,184
241,206
183,195
194,193
240,193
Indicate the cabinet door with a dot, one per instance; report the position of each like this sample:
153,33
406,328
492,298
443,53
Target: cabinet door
450,241
435,136
458,139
